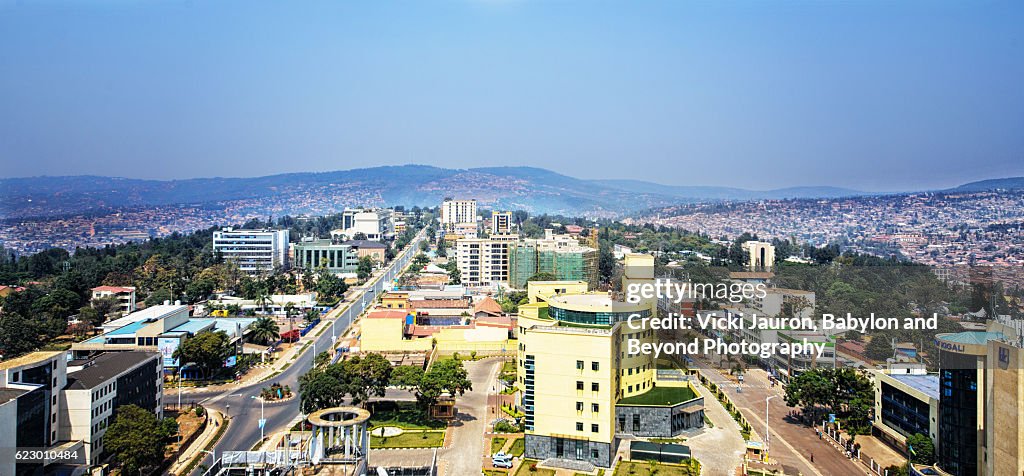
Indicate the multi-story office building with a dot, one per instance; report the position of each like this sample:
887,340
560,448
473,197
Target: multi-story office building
905,404
125,296
97,388
501,223
457,211
313,255
484,261
375,225
580,387
255,251
981,428
30,409
559,255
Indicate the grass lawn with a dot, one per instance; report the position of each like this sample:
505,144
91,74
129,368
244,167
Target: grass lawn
518,446
524,469
409,439
661,396
674,441
508,366
405,415
497,443
643,468
495,472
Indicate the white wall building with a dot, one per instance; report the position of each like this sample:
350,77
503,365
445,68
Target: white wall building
457,211
377,225
255,251
97,388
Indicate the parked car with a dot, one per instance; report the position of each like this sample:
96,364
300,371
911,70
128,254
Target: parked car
501,460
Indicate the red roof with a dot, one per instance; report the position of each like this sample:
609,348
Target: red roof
488,305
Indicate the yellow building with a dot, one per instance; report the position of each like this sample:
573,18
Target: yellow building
580,387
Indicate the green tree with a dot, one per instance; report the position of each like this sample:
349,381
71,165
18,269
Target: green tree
208,350
137,439
879,348
319,389
922,450
105,307
365,267
445,376
543,276
366,376
265,330
158,297
407,377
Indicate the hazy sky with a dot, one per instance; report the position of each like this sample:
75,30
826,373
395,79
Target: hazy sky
887,95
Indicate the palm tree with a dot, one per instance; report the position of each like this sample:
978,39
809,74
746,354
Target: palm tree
289,310
265,330
262,300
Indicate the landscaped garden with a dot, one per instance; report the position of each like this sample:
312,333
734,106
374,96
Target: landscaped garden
661,396
405,415
529,468
409,439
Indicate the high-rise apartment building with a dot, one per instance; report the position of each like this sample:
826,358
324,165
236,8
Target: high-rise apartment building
484,261
457,211
98,387
255,251
501,223
580,387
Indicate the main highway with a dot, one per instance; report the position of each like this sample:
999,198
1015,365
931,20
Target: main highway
240,403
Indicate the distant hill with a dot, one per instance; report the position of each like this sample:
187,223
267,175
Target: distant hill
730,193
1009,183
527,188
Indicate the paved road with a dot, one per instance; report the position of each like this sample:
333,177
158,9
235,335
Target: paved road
463,456
791,444
239,403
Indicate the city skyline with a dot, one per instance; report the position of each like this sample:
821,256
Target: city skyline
872,96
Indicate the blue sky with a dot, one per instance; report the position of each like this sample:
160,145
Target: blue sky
888,95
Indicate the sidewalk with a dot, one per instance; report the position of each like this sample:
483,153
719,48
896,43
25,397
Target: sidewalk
208,437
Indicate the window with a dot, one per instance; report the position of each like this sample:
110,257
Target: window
594,407
595,387
579,365
636,422
630,389
579,406
595,366
594,454
593,428
579,385
579,426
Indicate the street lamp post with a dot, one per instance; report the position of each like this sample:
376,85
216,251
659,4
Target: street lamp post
213,454
180,368
767,436
263,421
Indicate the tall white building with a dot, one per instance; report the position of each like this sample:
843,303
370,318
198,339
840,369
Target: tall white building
255,251
484,261
454,212
377,225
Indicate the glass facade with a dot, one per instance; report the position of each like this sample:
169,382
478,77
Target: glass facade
599,318
906,414
958,414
